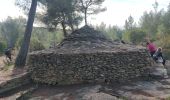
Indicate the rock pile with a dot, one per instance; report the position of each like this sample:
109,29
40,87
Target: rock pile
87,56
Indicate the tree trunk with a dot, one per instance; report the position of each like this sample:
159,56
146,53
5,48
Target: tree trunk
85,17
64,29
21,58
72,27
70,19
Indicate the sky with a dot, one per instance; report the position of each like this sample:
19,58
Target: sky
8,8
117,10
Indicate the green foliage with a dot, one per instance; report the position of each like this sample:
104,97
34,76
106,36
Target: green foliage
63,13
150,22
163,41
166,23
168,98
3,45
90,7
24,5
130,26
166,53
129,23
153,25
119,33
126,36
19,43
42,37
35,45
11,29
47,38
137,36
111,32
7,65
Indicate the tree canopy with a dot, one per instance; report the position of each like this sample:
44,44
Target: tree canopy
88,7
62,13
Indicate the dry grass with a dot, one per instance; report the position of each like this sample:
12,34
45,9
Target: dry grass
1,61
7,70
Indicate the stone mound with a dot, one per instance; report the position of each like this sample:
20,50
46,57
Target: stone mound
89,40
86,33
84,39
87,56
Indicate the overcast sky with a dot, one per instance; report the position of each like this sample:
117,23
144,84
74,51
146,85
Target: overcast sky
116,14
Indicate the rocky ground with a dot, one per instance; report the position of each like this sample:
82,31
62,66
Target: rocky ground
140,90
1,62
154,89
157,88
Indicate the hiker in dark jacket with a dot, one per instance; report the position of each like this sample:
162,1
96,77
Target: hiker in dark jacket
8,54
158,56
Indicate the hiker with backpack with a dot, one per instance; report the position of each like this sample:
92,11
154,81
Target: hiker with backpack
8,54
151,48
158,57
155,53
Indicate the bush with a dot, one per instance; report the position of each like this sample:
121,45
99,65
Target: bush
164,41
126,35
137,36
36,45
166,53
3,45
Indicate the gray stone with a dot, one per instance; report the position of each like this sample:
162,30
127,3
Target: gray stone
88,56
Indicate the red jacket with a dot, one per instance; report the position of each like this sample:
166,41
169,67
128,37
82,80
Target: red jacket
151,47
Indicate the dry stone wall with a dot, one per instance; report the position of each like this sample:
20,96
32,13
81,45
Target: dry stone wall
73,68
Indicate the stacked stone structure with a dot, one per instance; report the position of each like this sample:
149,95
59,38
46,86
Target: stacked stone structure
86,55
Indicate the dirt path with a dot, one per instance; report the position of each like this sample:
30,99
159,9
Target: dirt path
1,61
4,74
140,90
9,71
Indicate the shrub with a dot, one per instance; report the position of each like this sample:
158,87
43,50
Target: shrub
166,53
36,45
3,45
137,36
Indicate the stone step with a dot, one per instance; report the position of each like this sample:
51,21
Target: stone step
27,93
15,82
19,93
158,70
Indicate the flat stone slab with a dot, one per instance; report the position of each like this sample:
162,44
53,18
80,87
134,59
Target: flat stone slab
140,90
160,71
14,82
